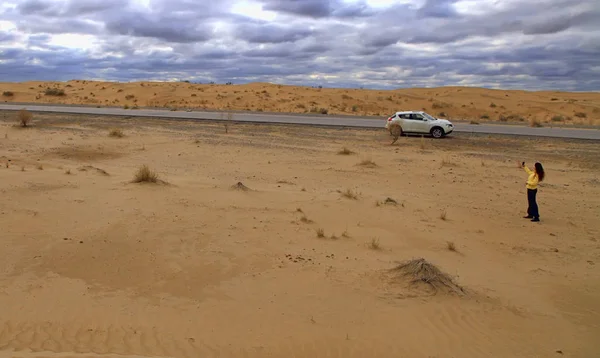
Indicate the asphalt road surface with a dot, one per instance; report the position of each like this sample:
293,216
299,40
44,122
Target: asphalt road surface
356,122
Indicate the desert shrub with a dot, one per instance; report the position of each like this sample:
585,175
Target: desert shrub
116,133
24,117
558,119
7,94
534,123
580,115
145,175
54,92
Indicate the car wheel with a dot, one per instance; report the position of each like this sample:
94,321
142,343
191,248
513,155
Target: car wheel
437,132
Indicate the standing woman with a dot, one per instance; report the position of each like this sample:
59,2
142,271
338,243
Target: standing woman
535,176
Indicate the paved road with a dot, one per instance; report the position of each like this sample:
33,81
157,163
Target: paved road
308,120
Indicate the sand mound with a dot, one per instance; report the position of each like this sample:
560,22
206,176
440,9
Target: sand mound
420,274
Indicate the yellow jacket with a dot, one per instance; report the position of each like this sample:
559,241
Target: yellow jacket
533,180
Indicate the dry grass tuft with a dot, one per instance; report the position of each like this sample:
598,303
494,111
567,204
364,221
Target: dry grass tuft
422,144
320,233
145,175
346,151
39,167
374,244
419,271
390,201
240,186
396,132
451,246
448,163
350,194
116,133
368,163
68,171
534,123
306,220
346,234
444,215
24,117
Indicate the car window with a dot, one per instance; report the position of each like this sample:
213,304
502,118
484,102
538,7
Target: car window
405,116
416,117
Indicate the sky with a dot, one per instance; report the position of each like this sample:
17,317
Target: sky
383,44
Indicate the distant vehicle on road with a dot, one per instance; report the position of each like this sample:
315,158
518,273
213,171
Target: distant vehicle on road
418,122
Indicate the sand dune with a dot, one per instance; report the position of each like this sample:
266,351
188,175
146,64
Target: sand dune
95,265
473,104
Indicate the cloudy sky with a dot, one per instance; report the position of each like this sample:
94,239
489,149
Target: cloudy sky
528,44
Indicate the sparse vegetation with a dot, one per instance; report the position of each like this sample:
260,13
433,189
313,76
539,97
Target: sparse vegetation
474,122
320,233
534,123
24,117
240,186
580,114
348,193
493,105
451,246
306,220
7,94
54,92
419,271
444,215
345,151
374,244
484,116
116,133
368,163
145,175
558,119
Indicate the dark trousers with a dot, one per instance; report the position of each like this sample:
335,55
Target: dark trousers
532,210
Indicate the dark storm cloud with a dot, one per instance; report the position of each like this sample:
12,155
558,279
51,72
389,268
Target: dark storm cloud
170,28
59,26
270,33
438,9
537,45
319,8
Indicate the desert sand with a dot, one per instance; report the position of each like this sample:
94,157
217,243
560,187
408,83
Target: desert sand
302,262
458,103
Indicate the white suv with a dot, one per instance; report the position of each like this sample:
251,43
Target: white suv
419,122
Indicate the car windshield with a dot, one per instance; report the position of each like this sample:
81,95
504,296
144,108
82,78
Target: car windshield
428,116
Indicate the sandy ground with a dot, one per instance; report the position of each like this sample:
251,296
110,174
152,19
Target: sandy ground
96,266
464,103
